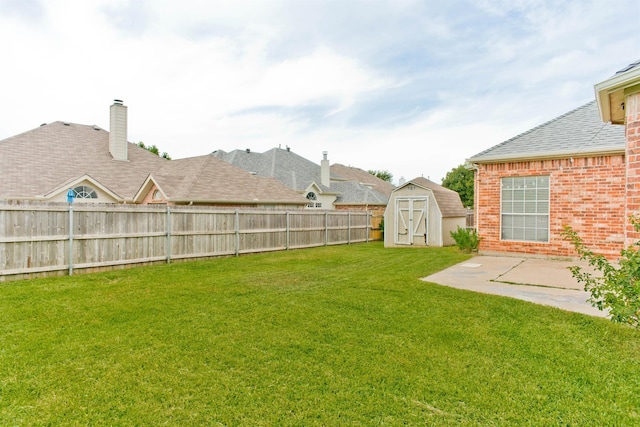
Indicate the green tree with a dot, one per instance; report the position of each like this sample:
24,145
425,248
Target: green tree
154,150
460,180
383,175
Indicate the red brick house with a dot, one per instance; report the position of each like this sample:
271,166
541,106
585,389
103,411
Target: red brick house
580,169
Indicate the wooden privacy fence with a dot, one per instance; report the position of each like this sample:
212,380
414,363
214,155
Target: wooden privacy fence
53,239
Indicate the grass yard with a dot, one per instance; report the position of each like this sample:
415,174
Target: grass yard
342,335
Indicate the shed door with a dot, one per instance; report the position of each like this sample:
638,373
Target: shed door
411,221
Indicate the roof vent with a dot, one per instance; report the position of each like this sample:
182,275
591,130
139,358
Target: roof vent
95,127
288,148
66,123
248,150
117,101
44,124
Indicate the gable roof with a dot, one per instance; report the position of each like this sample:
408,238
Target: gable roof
209,179
289,168
42,161
448,200
350,173
579,132
38,161
298,173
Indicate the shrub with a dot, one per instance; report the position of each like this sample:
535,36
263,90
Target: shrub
467,240
618,289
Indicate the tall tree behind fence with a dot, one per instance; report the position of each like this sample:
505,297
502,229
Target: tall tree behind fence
55,239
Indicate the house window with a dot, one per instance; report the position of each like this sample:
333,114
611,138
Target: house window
84,192
157,195
311,196
525,208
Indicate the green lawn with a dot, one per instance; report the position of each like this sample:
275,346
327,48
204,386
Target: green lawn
342,335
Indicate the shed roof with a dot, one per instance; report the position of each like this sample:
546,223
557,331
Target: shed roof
448,200
579,132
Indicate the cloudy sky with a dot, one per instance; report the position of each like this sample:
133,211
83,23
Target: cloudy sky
412,87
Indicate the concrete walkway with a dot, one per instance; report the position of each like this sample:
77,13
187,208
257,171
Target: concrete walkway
540,281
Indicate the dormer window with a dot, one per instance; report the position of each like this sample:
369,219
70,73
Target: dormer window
311,196
84,192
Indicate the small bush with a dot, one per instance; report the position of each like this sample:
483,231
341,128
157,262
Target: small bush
618,289
467,240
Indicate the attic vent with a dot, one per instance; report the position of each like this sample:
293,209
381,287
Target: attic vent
66,124
95,127
44,124
117,101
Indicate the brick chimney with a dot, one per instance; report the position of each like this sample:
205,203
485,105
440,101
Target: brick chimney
118,131
325,170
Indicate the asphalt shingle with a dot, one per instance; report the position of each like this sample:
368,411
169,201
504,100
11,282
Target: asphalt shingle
37,162
298,173
578,132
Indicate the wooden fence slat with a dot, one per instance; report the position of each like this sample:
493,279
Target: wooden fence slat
41,238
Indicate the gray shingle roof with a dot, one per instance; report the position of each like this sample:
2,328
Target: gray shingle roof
350,173
629,67
578,132
292,170
448,200
298,173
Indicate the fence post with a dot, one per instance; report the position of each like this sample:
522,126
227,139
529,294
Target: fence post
70,240
237,231
349,228
326,228
168,234
287,232
368,226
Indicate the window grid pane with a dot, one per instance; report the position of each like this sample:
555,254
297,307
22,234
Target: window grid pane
525,208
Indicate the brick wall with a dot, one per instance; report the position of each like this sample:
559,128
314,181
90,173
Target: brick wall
586,193
632,112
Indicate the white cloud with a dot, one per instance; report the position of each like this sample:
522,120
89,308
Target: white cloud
413,87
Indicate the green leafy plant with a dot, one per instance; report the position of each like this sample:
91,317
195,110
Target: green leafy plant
467,240
616,289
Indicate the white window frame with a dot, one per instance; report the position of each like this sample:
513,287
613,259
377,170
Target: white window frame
525,208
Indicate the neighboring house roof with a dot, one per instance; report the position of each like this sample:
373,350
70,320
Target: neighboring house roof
44,160
298,173
289,168
39,161
355,193
448,200
350,173
579,132
207,179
